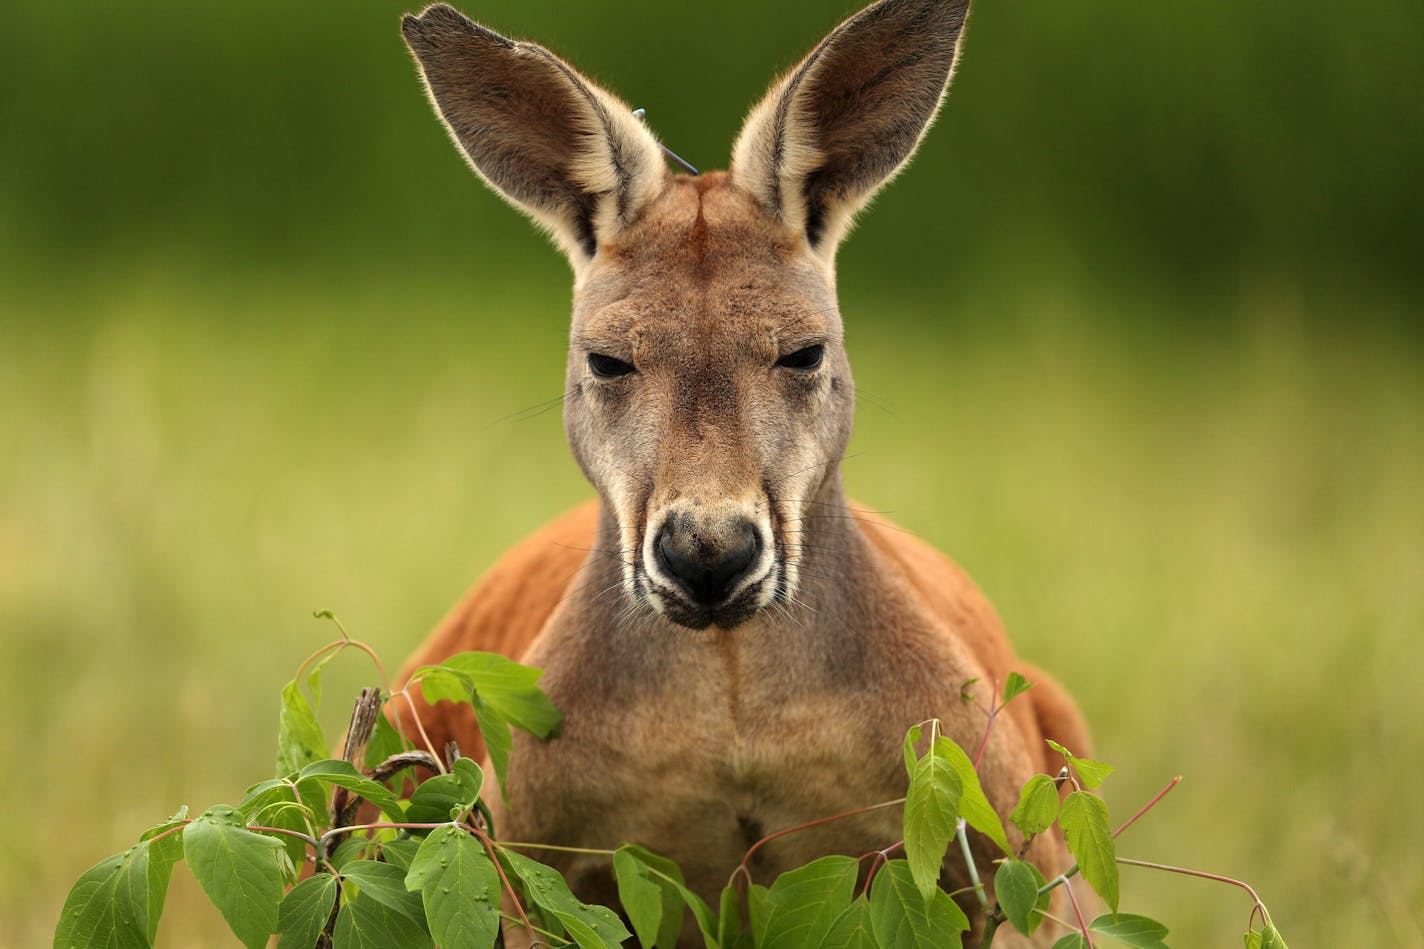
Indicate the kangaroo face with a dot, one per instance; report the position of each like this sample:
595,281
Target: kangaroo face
708,399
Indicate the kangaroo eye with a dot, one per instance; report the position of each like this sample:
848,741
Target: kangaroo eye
803,359
606,367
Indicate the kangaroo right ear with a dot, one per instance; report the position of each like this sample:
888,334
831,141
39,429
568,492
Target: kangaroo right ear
847,119
564,151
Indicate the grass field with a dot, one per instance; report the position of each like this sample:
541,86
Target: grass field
1212,534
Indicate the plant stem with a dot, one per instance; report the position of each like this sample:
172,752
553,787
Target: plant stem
519,844
1078,912
381,825
420,727
1265,915
513,896
742,867
282,830
1149,805
543,932
969,862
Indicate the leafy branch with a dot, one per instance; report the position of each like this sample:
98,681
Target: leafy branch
292,860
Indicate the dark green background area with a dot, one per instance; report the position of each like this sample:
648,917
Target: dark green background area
1136,340
1195,144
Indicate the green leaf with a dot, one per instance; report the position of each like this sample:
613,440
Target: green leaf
438,684
802,903
165,849
1132,930
758,909
931,813
974,806
640,897
263,795
1071,941
386,885
305,910
503,693
1084,819
1091,773
667,873
1016,888
912,738
109,905
1016,685
592,927
299,737
729,916
459,887
499,742
903,919
338,773
385,741
504,685
314,676
1271,938
364,923
706,922
275,804
1037,808
852,928
438,799
652,903
352,848
400,853
239,870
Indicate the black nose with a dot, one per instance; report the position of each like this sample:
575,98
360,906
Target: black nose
706,568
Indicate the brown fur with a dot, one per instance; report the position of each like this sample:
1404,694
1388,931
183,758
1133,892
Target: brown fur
695,724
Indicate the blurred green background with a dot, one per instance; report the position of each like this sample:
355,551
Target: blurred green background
1137,339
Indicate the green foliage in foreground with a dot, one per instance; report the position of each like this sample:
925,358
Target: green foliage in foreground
431,871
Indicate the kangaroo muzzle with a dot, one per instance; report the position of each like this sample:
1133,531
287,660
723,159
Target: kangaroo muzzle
707,569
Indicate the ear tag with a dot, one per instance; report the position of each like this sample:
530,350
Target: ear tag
641,115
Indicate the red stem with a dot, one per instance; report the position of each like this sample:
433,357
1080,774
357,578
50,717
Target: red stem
1149,805
1078,911
489,849
1205,876
742,867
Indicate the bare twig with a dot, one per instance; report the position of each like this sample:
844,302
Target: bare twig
358,736
406,759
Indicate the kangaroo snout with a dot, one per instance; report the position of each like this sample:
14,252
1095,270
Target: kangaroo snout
706,570
704,563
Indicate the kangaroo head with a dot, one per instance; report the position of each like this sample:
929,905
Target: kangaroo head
709,398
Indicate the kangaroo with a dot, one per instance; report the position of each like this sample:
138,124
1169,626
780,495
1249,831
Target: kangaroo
736,649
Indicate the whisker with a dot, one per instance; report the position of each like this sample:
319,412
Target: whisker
532,411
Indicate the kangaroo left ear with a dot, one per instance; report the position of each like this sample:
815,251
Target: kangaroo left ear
847,119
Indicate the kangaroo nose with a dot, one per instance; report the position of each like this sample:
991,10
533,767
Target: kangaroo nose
707,571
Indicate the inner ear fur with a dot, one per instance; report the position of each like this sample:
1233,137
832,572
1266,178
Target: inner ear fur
566,152
848,117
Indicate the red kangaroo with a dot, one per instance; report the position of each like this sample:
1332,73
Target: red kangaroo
735,648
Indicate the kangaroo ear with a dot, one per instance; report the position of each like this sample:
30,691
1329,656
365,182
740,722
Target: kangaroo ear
844,121
556,146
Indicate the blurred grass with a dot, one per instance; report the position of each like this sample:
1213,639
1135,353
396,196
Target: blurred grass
1212,539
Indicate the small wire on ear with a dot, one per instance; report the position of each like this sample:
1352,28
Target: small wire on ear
642,116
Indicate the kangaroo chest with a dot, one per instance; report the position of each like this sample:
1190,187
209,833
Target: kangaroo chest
714,746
